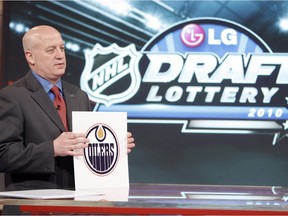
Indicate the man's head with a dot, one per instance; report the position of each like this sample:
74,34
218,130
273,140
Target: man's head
44,51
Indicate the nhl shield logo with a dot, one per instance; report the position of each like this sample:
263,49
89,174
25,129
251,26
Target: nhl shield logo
111,74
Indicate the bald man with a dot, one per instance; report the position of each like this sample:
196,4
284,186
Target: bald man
35,148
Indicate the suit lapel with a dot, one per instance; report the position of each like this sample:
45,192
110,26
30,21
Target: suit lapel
41,98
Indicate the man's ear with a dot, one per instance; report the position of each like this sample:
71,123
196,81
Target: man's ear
29,57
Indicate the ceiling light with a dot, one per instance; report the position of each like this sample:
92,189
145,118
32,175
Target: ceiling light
118,6
283,24
153,22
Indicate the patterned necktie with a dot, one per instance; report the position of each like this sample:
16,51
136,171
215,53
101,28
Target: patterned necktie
59,104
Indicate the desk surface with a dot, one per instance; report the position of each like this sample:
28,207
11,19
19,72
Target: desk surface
173,199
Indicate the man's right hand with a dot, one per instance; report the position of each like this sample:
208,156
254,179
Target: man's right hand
70,144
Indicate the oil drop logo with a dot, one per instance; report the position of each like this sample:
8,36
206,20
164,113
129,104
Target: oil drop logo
102,153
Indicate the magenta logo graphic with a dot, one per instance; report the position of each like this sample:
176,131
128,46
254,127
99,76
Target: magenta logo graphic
192,35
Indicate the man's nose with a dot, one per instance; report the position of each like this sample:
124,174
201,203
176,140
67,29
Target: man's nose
60,53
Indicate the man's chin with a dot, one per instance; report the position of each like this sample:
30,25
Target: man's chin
60,73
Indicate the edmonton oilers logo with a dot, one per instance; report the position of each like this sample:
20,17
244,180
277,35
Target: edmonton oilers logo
102,153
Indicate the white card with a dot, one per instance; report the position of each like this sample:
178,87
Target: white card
104,163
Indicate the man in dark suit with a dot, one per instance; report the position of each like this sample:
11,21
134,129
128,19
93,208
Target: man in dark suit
35,148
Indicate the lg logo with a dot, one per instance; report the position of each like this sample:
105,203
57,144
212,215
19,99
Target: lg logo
193,35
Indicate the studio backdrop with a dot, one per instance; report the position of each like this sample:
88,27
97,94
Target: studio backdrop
204,83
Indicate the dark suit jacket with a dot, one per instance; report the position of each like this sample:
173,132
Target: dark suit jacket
28,125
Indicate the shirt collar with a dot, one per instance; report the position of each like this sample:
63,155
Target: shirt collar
46,84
